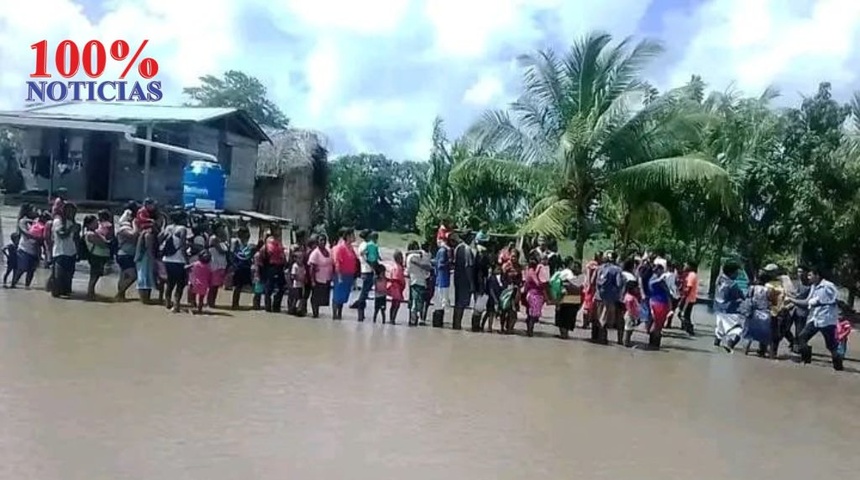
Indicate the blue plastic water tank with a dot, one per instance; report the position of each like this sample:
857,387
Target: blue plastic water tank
203,185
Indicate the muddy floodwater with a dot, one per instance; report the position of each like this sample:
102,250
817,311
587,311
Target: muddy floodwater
109,391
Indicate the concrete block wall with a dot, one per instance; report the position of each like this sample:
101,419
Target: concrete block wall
165,176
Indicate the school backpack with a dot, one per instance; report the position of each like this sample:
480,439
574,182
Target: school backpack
84,252
607,282
556,286
168,246
506,298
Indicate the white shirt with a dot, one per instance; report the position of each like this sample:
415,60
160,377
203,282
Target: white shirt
672,282
63,246
219,259
175,234
362,258
417,275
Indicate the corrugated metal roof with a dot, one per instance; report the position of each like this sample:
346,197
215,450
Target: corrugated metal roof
128,111
132,113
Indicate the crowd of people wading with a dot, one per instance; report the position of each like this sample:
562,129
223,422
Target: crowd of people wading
169,253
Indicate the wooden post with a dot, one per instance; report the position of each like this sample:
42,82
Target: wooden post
147,156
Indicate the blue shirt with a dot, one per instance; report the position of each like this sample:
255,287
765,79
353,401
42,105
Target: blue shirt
729,296
823,311
659,289
443,268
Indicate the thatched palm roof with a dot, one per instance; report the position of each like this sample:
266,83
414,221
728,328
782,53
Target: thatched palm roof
291,148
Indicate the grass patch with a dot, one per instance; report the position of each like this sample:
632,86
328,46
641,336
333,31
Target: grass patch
397,240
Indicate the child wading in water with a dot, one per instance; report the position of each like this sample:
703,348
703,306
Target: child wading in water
396,285
200,279
380,290
494,287
10,251
257,275
632,310
298,275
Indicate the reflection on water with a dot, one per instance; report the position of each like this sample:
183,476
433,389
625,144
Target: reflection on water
95,391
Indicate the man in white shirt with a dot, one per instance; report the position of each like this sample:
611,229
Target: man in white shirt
366,276
823,318
418,268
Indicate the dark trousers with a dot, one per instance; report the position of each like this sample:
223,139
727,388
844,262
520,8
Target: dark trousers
275,284
63,273
829,334
781,328
810,330
26,267
687,313
364,293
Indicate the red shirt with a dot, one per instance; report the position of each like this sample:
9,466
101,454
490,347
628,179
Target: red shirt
345,259
275,252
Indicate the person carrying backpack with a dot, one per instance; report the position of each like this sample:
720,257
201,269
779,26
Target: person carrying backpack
609,286
173,240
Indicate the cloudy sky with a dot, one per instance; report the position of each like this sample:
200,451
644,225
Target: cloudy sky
373,74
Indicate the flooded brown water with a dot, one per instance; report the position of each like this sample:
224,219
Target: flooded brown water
109,391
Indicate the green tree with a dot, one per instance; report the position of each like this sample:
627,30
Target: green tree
238,90
577,130
373,191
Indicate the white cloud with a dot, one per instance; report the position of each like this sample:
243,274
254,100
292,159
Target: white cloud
757,43
322,69
484,91
373,74
372,17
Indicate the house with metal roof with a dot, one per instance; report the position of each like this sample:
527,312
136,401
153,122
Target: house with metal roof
122,151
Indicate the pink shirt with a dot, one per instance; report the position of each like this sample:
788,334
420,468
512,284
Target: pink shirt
396,282
631,306
323,266
201,275
37,230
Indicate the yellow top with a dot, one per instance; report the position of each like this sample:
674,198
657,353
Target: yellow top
776,295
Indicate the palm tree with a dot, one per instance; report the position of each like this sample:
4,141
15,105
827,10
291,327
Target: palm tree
468,203
586,122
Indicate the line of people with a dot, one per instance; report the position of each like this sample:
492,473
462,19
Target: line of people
172,253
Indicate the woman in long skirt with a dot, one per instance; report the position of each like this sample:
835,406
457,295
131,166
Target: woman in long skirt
345,263
727,306
536,281
758,324
321,271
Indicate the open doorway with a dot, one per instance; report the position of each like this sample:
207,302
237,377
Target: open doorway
98,153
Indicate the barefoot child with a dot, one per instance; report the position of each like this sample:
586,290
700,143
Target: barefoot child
257,275
298,277
632,310
380,290
199,280
396,285
493,287
10,251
